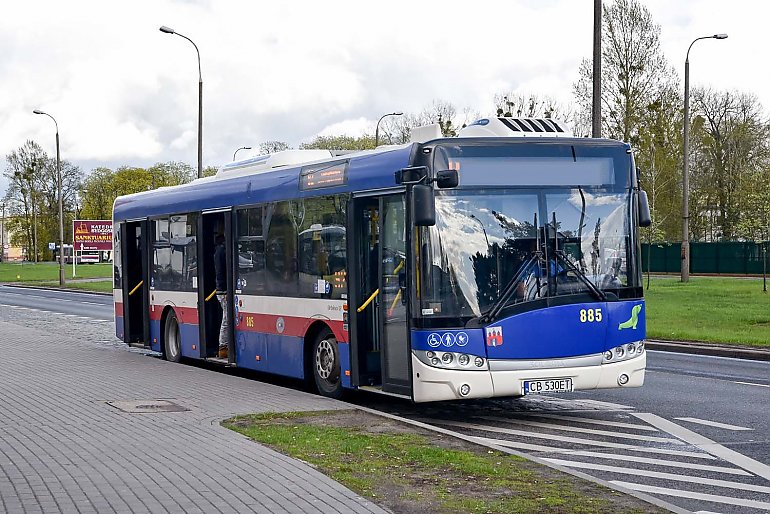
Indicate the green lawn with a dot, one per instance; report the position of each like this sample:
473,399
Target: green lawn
711,309
49,271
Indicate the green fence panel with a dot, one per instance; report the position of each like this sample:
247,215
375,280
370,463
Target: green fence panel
725,257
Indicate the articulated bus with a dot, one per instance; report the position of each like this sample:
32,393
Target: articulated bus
499,263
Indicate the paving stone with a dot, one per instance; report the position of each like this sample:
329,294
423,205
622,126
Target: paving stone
64,449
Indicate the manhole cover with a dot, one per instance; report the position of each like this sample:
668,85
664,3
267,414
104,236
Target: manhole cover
147,406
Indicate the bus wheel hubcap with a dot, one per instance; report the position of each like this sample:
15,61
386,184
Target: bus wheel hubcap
324,359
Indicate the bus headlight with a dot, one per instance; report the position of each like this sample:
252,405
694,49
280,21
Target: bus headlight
623,352
451,360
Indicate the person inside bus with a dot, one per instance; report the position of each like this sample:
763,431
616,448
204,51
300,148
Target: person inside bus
220,270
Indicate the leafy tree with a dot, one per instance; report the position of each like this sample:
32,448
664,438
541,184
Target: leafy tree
364,142
730,160
32,198
103,186
658,160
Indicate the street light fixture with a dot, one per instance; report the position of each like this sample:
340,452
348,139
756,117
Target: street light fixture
61,204
377,128
167,30
241,148
686,163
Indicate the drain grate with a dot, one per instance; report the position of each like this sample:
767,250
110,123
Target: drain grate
147,406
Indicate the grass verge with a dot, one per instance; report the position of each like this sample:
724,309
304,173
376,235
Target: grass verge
407,470
49,271
711,309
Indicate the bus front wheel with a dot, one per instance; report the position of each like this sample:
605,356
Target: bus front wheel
326,365
171,338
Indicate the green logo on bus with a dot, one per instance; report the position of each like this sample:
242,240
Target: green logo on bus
633,320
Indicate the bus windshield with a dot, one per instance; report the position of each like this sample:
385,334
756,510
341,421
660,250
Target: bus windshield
483,239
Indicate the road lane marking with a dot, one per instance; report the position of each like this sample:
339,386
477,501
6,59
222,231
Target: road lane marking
606,405
752,384
514,444
706,444
566,428
657,462
692,495
577,419
513,431
713,424
574,440
657,474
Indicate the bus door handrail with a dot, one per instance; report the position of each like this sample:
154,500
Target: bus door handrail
136,287
368,301
209,297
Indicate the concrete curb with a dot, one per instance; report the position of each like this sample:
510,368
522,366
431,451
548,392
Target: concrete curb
713,349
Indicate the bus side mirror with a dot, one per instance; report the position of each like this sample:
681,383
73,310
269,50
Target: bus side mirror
645,218
423,206
446,179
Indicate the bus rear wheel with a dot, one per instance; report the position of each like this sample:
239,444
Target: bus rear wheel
326,365
171,339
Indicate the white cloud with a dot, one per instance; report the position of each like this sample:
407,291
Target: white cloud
124,93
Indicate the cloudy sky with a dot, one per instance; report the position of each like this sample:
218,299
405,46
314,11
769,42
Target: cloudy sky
124,93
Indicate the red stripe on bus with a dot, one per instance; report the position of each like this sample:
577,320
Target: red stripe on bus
292,325
119,309
186,315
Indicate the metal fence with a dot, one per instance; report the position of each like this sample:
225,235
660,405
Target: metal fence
735,258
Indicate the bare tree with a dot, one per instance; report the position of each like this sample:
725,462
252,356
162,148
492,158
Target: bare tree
634,69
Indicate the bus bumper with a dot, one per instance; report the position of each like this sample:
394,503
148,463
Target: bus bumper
435,384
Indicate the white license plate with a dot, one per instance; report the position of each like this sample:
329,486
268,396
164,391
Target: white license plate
551,385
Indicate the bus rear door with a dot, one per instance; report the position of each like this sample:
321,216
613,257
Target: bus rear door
135,282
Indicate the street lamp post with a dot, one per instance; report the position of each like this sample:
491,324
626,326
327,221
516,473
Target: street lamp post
2,234
241,148
377,128
686,163
167,30
61,204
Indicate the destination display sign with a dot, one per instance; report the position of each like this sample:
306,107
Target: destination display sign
324,175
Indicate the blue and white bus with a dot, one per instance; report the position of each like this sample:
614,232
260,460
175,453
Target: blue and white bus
499,263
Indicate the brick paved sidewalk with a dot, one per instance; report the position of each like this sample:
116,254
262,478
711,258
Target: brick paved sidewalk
64,449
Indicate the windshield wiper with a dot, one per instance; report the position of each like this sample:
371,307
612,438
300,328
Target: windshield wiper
510,288
563,256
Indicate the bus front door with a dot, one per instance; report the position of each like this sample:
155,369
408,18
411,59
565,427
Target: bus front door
393,314
135,282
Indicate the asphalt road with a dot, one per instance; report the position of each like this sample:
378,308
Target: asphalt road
74,303
696,435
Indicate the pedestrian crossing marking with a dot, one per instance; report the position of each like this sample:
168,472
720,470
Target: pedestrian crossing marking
692,495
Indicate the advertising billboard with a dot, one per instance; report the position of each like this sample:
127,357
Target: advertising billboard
90,235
